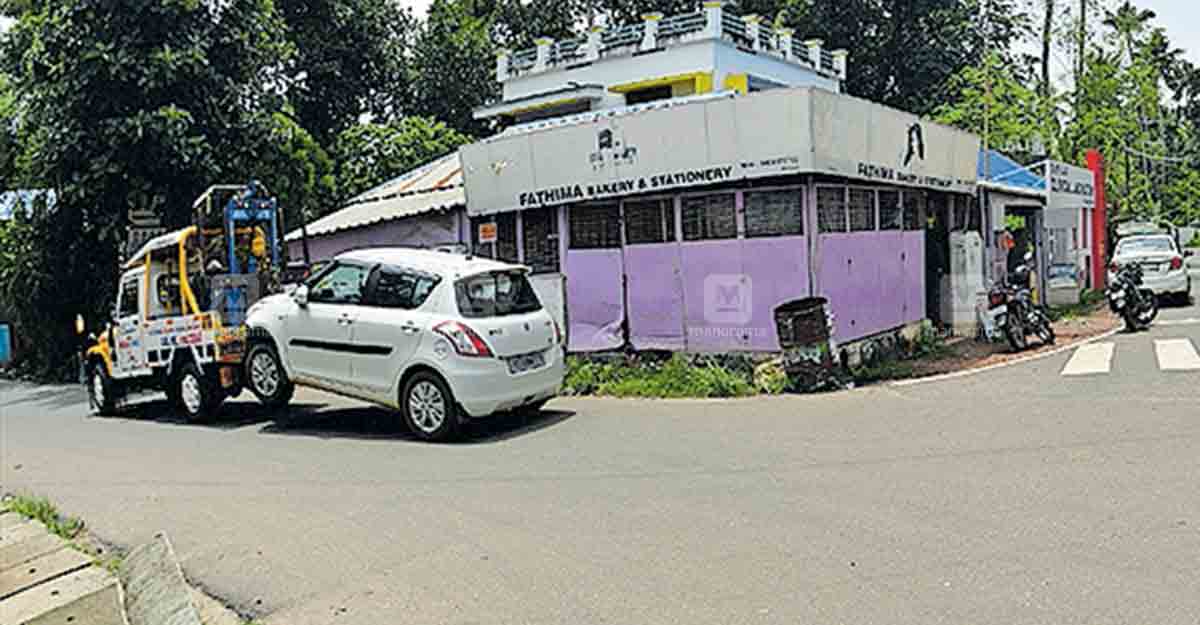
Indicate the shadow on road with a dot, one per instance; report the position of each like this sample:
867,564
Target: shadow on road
369,423
321,421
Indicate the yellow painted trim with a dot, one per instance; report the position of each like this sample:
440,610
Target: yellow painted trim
704,83
693,77
737,82
102,350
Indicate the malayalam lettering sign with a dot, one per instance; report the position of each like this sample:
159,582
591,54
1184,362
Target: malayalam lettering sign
700,144
1070,190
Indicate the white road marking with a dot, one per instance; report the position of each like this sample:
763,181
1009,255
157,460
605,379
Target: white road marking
1090,360
1179,322
1177,355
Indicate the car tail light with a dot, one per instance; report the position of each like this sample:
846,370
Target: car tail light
465,340
996,299
1176,263
1114,267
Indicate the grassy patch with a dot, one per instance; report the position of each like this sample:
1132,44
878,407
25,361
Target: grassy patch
40,509
1088,302
676,377
897,361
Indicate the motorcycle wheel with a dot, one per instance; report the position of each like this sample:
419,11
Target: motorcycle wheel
1149,311
1045,331
1015,330
1131,320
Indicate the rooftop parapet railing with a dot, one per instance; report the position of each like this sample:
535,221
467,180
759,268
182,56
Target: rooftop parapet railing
657,32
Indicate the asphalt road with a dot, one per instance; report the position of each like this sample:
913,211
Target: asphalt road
1013,496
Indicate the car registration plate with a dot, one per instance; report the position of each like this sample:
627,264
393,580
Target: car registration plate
526,362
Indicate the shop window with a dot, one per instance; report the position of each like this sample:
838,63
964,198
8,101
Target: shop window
891,213
862,210
649,221
505,247
774,213
595,226
540,234
831,209
709,217
914,210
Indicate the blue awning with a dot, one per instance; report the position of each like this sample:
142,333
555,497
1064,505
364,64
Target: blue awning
1005,171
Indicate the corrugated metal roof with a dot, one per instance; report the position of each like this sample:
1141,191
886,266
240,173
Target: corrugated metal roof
432,187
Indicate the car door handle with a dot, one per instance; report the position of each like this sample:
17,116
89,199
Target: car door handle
409,328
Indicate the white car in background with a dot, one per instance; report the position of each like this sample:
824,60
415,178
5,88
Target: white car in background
1164,265
442,337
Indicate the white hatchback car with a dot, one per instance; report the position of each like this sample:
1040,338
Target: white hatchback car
442,337
1164,266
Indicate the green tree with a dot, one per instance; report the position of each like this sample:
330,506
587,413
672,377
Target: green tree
350,61
1018,118
371,154
136,104
454,64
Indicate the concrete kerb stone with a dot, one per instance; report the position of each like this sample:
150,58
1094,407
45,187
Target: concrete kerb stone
156,591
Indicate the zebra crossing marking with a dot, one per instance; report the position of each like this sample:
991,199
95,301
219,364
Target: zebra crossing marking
1177,355
1090,360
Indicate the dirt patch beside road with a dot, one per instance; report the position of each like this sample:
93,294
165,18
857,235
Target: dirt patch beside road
965,354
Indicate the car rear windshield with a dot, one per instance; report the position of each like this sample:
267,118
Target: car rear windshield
496,294
1145,245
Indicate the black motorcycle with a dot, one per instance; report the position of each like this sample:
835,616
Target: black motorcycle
1016,315
1126,297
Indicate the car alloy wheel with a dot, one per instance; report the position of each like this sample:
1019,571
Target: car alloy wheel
264,374
427,406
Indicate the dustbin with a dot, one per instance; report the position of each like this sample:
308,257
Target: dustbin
803,329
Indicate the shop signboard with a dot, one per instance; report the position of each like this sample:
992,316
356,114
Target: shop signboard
1070,190
646,150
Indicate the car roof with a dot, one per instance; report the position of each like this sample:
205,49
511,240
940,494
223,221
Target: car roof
433,261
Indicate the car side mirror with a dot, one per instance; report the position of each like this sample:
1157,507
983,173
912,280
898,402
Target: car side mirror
300,295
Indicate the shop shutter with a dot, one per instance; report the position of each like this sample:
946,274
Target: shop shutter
506,237
649,221
595,226
707,217
540,233
862,210
831,209
774,213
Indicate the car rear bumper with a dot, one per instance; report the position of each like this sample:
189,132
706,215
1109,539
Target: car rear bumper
1163,284
486,387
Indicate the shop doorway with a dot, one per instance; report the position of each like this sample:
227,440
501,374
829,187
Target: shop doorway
937,256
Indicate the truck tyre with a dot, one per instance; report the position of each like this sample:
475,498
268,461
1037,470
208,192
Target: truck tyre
199,397
429,408
102,390
266,378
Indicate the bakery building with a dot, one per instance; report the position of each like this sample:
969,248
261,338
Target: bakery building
672,182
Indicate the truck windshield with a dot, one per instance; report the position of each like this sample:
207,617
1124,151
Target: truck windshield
496,294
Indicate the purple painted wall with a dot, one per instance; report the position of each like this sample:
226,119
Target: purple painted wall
714,296
420,231
779,270
875,281
655,296
595,302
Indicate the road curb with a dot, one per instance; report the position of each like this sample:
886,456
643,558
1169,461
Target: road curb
156,592
1001,365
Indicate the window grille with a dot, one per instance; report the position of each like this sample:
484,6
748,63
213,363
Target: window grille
649,221
862,210
540,234
891,213
831,209
708,217
774,213
595,226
